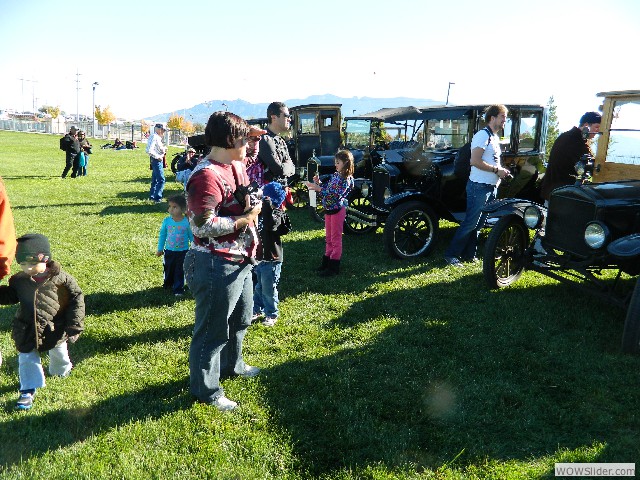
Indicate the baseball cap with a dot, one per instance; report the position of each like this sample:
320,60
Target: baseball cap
255,131
160,125
73,129
590,117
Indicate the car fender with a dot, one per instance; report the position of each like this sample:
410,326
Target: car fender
509,206
402,197
625,247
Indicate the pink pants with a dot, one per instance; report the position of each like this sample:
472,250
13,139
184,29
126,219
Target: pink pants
333,225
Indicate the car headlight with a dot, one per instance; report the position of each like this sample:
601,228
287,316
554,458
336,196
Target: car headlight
364,188
532,217
387,193
596,234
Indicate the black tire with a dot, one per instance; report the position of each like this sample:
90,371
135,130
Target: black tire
503,260
631,332
300,195
411,230
353,227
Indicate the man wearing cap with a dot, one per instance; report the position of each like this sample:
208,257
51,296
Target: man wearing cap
157,151
273,150
72,149
566,151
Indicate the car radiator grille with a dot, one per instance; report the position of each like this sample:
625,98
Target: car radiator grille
380,182
567,220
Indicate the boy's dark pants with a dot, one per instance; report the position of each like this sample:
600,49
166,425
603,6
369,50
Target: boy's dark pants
174,270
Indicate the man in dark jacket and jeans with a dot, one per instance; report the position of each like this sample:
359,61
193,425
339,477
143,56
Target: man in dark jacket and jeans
273,151
71,152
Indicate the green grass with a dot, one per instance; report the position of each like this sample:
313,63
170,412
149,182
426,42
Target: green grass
393,370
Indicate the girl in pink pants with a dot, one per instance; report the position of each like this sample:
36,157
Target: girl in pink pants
335,194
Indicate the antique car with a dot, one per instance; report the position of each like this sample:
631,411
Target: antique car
315,132
589,235
414,184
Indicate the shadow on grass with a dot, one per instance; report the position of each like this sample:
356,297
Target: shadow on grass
24,436
102,303
501,382
61,205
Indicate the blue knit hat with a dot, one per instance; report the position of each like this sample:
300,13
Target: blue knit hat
275,192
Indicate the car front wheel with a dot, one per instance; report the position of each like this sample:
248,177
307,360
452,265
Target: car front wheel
351,223
503,260
411,230
631,332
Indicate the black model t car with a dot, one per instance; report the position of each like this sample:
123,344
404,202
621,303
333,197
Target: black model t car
413,180
587,228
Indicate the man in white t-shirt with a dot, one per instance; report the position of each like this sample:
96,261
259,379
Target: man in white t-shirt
486,173
157,151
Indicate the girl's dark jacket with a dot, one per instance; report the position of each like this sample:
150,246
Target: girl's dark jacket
49,313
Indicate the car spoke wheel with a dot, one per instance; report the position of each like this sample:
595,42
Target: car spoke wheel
503,261
352,225
300,195
631,333
411,230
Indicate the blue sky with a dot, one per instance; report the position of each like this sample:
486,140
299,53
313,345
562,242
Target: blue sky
154,57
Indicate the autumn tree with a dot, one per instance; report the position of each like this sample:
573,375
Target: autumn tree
145,127
552,126
176,122
49,110
198,127
104,115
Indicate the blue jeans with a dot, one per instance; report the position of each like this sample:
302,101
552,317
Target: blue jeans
465,241
265,290
224,302
30,366
173,270
157,180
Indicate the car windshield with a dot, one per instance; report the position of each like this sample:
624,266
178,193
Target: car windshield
452,133
624,136
357,134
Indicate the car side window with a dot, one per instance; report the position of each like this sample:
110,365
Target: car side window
528,131
307,123
624,136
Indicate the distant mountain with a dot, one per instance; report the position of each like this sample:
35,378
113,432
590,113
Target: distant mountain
200,113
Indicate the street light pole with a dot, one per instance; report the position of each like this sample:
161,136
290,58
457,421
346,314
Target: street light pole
93,111
448,90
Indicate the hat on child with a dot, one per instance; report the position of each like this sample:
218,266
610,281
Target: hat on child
275,192
33,247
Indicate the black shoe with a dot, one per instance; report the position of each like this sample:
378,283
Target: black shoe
332,269
324,264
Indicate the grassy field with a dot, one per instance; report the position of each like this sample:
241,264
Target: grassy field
393,370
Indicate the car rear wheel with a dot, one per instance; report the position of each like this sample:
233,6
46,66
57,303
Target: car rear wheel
351,224
503,260
631,333
411,230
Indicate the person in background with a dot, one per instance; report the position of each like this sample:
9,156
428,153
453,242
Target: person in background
51,314
254,166
7,236
273,151
566,151
173,243
272,223
218,265
185,166
484,178
335,193
72,149
85,147
157,151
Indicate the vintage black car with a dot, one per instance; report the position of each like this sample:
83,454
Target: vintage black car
413,183
587,228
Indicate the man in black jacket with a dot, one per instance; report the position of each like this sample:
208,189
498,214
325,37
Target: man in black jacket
71,152
566,151
273,151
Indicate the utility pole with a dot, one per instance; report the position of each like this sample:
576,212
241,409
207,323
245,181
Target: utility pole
449,89
77,96
93,111
33,93
23,80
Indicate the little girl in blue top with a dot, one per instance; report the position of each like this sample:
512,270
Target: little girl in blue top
335,193
173,242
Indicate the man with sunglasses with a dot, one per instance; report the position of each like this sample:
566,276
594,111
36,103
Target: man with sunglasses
273,151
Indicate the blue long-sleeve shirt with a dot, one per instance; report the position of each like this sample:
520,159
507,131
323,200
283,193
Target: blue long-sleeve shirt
175,236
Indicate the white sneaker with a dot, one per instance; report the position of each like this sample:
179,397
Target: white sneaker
269,321
224,404
249,372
